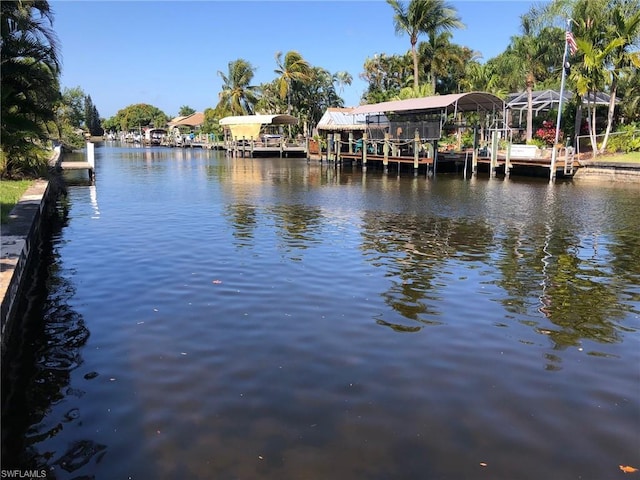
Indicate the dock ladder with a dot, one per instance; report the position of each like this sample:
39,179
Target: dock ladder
569,155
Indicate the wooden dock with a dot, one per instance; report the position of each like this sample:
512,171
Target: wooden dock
88,165
67,166
527,159
270,148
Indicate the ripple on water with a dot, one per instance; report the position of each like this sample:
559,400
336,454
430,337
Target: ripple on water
260,318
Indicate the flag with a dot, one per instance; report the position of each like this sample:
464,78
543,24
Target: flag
571,41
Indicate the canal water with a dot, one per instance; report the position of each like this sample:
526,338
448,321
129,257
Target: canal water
201,317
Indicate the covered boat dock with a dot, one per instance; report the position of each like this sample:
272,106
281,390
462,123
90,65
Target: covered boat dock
417,126
255,135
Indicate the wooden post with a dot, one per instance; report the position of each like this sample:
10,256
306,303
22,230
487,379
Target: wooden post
507,161
251,145
474,156
91,159
416,150
350,142
329,146
434,148
385,152
474,161
494,153
282,140
338,147
364,150
306,148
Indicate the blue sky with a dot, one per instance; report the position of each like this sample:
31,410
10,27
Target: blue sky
167,53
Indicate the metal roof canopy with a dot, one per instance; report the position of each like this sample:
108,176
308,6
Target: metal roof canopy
282,119
458,102
543,100
342,119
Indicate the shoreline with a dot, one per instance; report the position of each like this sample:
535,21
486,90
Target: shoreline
18,247
598,170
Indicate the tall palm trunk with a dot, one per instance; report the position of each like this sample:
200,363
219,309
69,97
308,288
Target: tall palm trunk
612,107
591,121
434,78
578,123
414,54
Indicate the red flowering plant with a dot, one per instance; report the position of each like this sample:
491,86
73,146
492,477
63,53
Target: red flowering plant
547,133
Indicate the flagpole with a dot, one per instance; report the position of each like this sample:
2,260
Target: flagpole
554,152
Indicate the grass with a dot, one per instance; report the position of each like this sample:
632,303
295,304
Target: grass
631,157
10,193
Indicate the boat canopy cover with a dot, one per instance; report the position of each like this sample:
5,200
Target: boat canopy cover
337,119
248,126
461,102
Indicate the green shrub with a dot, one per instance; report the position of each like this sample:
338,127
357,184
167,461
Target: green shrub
538,142
626,139
30,161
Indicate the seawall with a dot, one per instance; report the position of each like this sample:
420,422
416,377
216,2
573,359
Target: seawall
608,171
20,239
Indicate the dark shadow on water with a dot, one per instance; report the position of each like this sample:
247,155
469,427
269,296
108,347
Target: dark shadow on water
43,350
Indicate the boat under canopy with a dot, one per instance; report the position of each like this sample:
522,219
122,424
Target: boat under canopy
248,126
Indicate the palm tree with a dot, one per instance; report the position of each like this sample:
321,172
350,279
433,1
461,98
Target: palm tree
606,32
238,97
386,76
424,90
623,33
422,16
342,78
528,57
29,72
591,77
292,68
482,77
439,55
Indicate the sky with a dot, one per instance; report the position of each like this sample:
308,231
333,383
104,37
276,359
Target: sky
168,53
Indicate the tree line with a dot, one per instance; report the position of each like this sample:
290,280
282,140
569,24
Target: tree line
607,34
34,110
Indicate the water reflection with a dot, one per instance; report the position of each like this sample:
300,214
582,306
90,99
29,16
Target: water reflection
414,252
267,318
298,226
38,366
578,293
244,220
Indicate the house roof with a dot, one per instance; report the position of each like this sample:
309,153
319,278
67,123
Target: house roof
282,119
193,120
343,119
460,102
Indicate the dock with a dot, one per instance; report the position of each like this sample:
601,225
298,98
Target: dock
397,152
88,165
266,148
